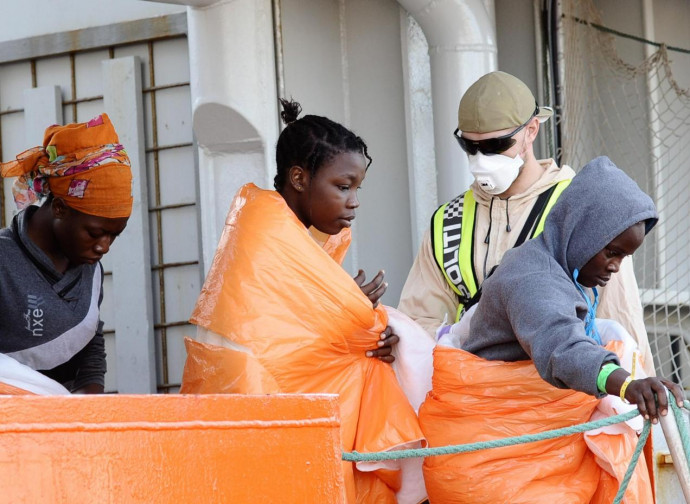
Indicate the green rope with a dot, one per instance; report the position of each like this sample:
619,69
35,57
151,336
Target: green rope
355,456
633,462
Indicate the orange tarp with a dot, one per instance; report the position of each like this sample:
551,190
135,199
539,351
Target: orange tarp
473,400
304,326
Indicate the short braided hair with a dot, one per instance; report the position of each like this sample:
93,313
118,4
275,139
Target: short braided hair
310,142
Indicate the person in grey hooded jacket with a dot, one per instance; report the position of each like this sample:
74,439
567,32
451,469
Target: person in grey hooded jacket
535,305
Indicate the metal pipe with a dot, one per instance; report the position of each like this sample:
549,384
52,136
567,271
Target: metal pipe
170,207
73,85
180,323
3,222
675,446
33,73
165,86
168,147
82,100
539,52
462,48
11,111
556,48
278,49
156,267
159,218
655,152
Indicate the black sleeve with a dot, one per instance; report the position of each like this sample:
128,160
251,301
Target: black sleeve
90,361
86,367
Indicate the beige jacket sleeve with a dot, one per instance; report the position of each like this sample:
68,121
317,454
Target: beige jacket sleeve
620,301
426,297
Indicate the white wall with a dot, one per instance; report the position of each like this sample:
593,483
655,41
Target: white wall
343,60
29,18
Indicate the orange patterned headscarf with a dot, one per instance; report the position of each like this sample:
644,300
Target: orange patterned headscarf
82,163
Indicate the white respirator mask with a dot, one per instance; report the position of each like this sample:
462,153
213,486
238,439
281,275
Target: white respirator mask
495,173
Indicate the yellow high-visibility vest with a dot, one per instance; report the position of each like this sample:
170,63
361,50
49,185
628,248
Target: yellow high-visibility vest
452,239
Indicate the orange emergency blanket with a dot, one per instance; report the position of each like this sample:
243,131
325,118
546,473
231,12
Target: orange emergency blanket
304,326
6,389
473,400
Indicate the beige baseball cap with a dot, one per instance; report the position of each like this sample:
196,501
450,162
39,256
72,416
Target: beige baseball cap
498,101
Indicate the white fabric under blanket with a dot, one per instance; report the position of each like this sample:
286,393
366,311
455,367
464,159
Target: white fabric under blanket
413,367
18,375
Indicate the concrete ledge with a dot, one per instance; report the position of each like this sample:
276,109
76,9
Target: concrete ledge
172,25
171,449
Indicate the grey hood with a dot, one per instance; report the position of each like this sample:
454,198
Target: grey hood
569,231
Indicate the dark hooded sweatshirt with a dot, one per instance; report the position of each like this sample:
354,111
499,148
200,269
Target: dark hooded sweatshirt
531,308
49,321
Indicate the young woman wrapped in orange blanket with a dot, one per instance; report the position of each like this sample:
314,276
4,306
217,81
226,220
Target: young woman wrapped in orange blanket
278,313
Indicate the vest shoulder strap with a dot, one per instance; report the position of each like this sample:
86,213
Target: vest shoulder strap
557,191
534,224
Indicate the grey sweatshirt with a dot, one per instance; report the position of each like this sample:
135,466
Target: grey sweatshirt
49,321
530,307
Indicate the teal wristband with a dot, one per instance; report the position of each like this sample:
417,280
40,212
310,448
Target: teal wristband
606,370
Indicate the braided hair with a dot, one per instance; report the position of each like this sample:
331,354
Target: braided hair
310,142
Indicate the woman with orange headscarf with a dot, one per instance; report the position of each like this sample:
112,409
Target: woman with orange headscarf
51,279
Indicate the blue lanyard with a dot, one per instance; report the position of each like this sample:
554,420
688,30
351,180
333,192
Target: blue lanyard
590,325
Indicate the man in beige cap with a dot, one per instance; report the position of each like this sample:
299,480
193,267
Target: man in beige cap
498,123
